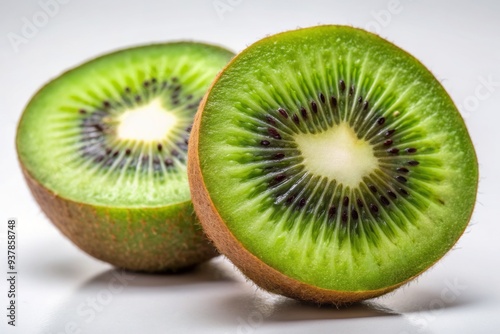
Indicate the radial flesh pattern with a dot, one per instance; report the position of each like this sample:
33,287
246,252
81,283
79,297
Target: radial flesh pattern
336,159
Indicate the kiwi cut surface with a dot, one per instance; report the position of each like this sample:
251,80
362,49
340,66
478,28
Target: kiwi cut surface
104,150
331,166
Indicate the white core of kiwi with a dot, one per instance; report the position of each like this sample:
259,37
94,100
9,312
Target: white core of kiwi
149,122
337,154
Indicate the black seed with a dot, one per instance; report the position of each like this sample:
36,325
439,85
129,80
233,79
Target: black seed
360,99
106,104
401,179
169,162
270,120
302,202
303,111
82,111
164,84
159,146
279,156
189,128
332,211
283,112
354,214
388,142
127,89
351,90
108,151
189,97
274,133
265,142
175,102
175,153
384,200
345,202
146,84
98,127
290,199
296,119
99,158
373,188
389,132
411,150
128,151
314,106
391,193
381,121
402,170
154,80
322,97
373,208
360,202
115,154
137,98
279,178
177,89
342,85
344,216
175,79
413,163
393,150
333,102
403,191
366,105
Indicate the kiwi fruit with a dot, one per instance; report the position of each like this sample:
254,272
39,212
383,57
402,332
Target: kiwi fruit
103,148
330,166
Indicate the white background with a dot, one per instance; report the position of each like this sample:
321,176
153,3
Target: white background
457,40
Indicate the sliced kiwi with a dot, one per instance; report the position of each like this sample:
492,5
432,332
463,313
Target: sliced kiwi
104,147
331,166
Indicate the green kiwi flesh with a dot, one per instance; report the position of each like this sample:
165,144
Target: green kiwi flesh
104,150
334,166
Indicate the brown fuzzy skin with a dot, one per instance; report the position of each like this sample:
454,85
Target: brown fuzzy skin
139,239
259,272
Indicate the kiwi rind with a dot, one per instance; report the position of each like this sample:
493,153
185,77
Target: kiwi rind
150,239
135,237
268,276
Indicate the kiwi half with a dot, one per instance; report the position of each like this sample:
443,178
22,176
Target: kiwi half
103,148
330,166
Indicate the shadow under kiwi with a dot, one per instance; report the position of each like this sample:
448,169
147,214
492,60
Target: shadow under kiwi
120,295
207,272
274,309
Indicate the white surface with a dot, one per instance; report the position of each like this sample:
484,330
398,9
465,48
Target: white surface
457,40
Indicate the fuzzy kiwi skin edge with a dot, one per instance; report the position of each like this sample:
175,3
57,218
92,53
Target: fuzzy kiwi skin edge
251,266
137,239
